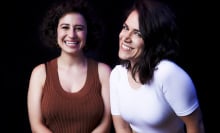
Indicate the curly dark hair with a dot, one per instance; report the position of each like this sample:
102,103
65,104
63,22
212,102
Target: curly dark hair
157,24
48,27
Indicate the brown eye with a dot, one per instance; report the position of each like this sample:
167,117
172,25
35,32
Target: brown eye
138,34
65,27
79,28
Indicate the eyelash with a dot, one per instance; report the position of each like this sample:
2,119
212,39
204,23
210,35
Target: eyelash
124,27
65,27
76,28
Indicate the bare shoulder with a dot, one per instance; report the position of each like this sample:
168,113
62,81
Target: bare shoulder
36,84
38,74
103,68
39,70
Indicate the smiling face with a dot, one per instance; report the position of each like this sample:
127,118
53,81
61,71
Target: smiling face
72,33
131,43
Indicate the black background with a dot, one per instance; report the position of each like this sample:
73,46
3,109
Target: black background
21,51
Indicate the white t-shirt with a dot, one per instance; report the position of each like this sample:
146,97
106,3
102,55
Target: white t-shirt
153,108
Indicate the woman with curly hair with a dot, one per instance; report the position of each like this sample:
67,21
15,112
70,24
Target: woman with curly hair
70,93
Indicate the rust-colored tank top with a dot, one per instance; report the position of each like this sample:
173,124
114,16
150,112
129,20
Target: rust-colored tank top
78,112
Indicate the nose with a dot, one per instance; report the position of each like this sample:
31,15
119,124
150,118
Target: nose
72,33
127,36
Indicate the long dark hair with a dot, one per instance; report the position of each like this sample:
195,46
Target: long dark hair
160,34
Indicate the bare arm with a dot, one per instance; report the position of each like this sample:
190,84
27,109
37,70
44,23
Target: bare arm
104,73
120,125
36,83
194,122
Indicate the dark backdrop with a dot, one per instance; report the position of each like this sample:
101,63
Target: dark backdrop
21,51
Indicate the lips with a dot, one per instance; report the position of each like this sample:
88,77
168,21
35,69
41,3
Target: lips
126,47
71,43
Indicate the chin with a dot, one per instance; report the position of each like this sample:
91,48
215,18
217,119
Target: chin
122,57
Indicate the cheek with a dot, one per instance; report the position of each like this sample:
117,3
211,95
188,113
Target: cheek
60,34
82,35
139,43
137,53
139,47
59,37
120,36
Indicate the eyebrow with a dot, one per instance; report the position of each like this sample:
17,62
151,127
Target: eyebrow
81,25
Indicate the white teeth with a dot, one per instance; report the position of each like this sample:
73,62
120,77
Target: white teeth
125,47
71,43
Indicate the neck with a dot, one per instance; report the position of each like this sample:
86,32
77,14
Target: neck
71,61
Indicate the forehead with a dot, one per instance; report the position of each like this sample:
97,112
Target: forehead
132,20
73,18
